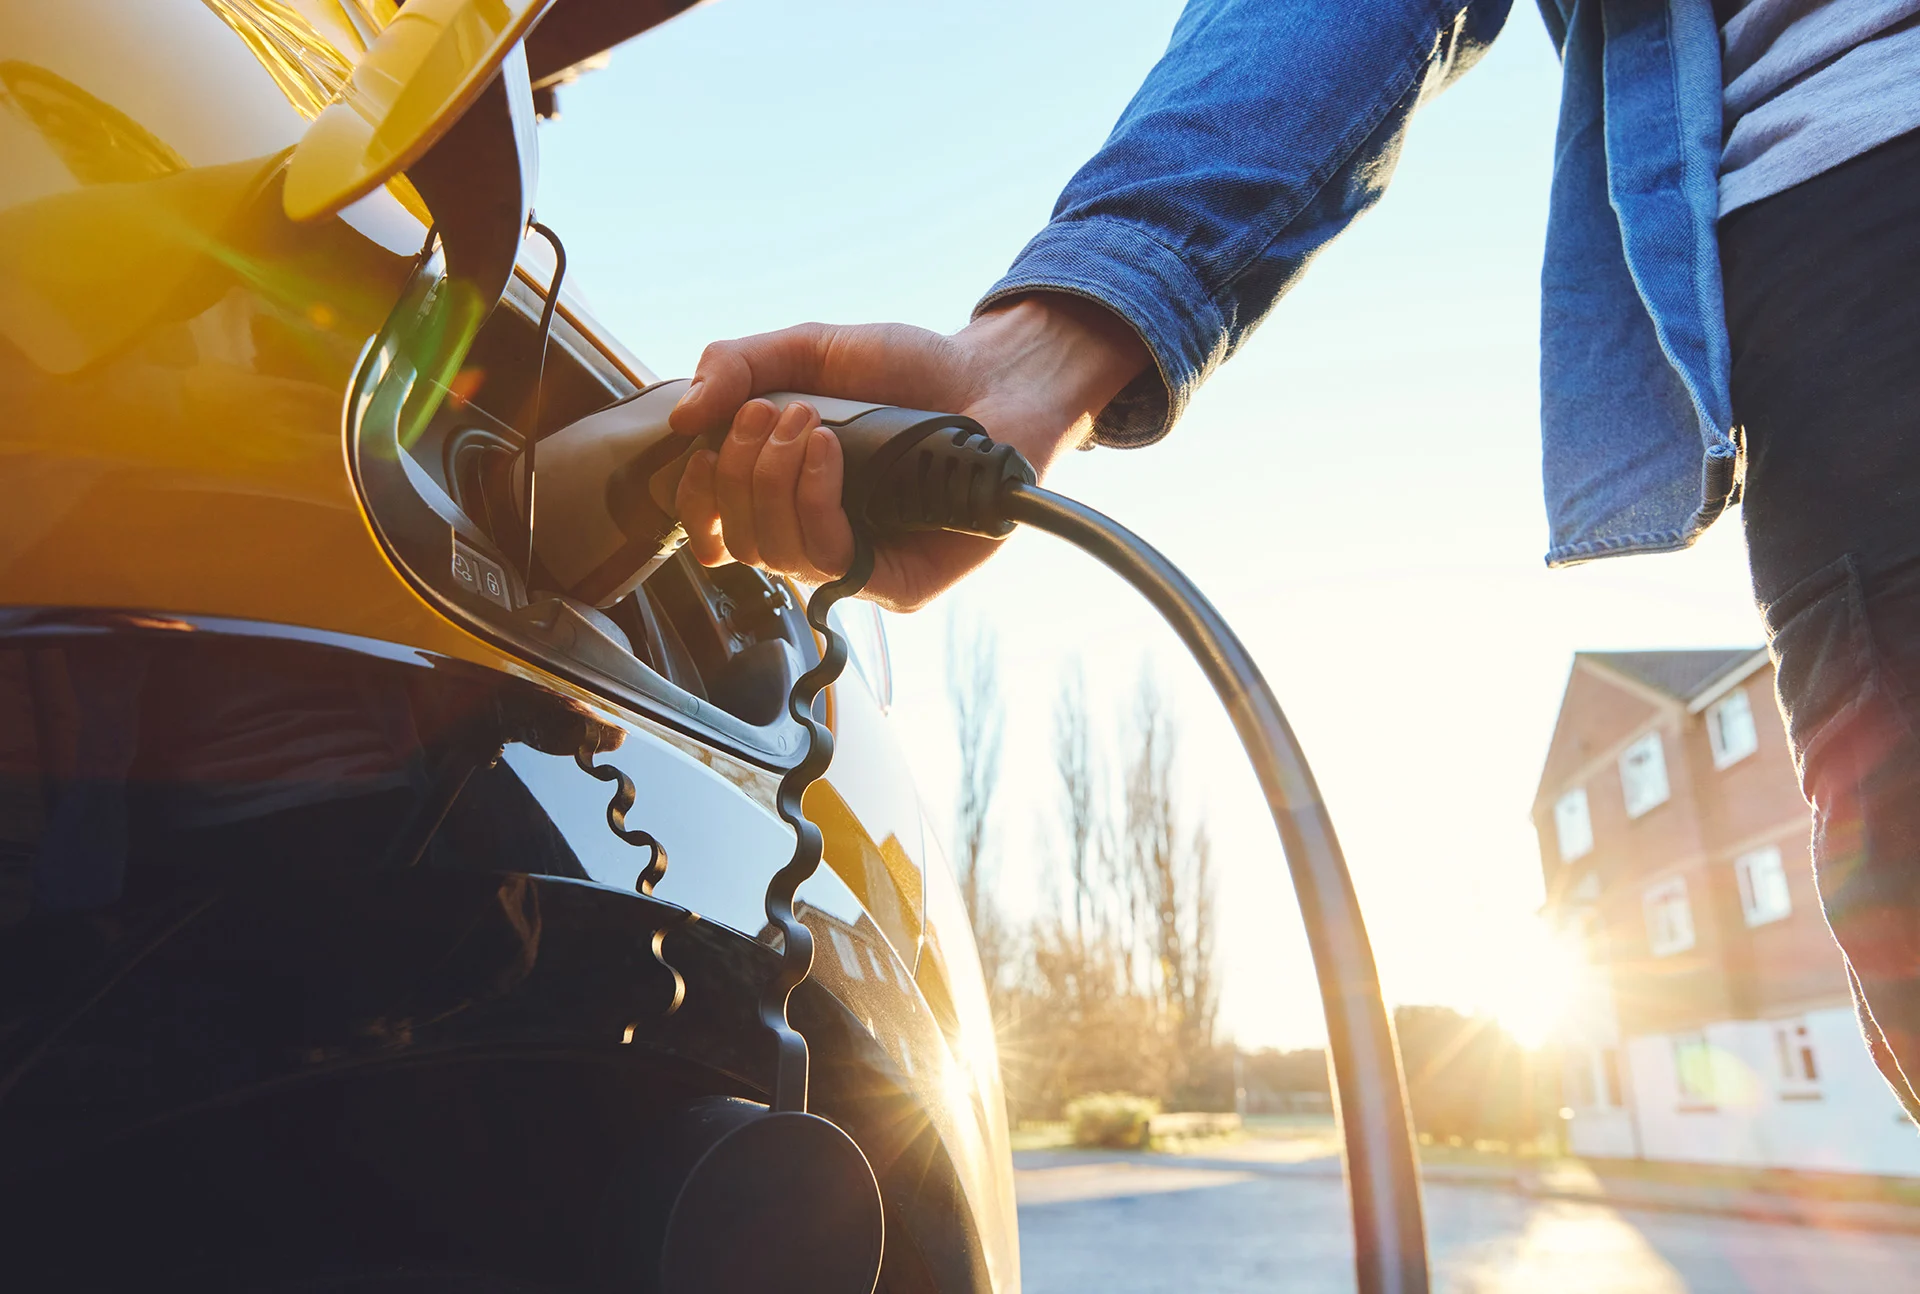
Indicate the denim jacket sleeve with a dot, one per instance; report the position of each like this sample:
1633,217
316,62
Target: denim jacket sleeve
1264,130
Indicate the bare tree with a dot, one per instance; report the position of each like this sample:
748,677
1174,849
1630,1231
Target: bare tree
1073,760
1152,842
973,689
1171,878
1080,1030
1116,987
1203,1001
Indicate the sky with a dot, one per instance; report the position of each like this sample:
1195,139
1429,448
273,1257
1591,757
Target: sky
1357,490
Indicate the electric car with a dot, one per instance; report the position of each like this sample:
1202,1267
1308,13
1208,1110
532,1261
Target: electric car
364,905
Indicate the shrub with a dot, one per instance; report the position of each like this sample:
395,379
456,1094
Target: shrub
1116,1120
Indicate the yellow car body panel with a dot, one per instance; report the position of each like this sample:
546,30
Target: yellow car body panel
176,359
415,78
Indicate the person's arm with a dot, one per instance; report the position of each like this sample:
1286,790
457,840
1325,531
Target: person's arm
1264,130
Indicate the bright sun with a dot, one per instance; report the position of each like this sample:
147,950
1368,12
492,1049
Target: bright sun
1544,980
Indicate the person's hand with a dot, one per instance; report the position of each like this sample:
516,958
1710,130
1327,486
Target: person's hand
1034,373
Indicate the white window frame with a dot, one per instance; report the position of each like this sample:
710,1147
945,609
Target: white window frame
1694,1084
849,953
1762,878
1647,753
1583,835
1593,1077
1665,937
1725,753
1796,1060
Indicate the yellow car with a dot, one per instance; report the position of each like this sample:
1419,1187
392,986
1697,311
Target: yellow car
327,955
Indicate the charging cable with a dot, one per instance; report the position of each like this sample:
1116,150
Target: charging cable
909,470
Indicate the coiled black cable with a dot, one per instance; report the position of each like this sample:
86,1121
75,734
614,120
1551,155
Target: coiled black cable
796,960
651,873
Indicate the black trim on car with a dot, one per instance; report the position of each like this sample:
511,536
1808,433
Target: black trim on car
422,530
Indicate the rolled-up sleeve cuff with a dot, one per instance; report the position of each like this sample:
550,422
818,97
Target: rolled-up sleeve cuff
1141,280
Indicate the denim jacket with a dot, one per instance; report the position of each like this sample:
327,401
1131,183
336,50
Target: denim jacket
1268,126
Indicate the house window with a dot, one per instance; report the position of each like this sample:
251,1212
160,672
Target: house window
1730,729
1693,1069
1643,775
1669,917
1763,886
1572,825
1793,1053
1593,1078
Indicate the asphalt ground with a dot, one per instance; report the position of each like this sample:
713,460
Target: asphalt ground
1121,1224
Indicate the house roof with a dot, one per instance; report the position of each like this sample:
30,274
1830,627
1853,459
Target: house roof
1681,674
1691,678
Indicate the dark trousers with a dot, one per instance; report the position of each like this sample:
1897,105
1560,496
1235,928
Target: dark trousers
1823,303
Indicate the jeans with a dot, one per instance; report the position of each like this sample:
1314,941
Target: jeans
1823,308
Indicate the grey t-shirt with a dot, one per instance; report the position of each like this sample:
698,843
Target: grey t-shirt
1810,84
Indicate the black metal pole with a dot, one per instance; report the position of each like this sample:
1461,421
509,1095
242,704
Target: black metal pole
1383,1173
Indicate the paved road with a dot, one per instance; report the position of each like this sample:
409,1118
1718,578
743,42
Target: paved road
1121,1225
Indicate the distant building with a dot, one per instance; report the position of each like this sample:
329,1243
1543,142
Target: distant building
1714,1023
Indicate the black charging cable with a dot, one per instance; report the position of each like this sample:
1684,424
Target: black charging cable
1383,1171
796,941
910,470
532,433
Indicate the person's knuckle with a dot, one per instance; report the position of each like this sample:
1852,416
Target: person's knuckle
770,474
797,350
816,494
718,352
735,470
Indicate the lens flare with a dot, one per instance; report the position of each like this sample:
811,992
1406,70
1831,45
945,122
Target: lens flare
1547,972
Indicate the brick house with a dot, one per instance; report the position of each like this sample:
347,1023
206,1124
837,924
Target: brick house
1712,1022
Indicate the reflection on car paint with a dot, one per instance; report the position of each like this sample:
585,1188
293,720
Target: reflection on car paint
722,847
173,444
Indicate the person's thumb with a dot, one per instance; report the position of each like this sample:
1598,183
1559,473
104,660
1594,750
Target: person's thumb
730,373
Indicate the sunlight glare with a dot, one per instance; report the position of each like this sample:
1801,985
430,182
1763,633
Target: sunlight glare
1543,980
